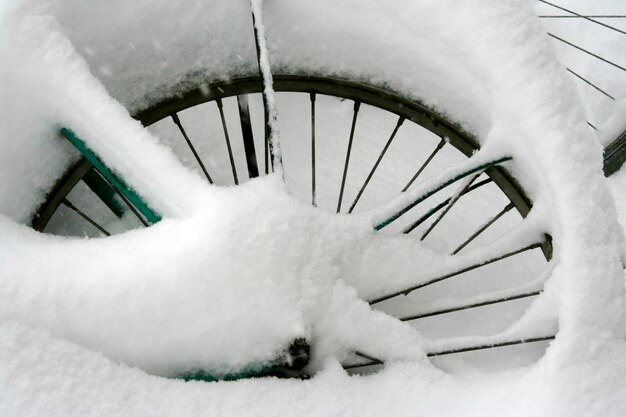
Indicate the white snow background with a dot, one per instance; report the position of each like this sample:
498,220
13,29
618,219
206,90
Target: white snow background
91,326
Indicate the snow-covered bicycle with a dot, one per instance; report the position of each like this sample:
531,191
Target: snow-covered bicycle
465,218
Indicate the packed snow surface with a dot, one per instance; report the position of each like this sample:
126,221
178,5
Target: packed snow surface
233,274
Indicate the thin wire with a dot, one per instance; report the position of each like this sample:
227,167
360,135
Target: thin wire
590,83
587,52
597,16
584,17
86,217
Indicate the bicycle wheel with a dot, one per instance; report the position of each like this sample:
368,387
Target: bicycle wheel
361,97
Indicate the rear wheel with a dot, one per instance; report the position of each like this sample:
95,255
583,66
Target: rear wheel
349,147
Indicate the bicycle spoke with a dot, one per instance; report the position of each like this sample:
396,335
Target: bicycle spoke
590,83
593,16
402,207
431,281
425,164
220,107
470,306
193,150
583,17
69,205
129,205
248,137
312,97
484,227
380,157
588,52
370,361
491,345
441,205
455,197
103,191
373,361
357,105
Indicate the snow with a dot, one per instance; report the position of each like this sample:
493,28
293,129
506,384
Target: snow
233,274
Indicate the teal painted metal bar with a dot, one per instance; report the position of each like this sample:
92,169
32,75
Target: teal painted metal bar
104,191
117,182
203,376
440,187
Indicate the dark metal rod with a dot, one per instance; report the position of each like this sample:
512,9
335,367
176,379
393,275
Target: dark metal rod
469,306
365,356
220,107
380,157
590,83
374,361
438,188
592,126
596,16
408,290
312,97
484,227
419,171
360,365
103,190
441,205
371,361
587,52
84,216
193,150
357,105
583,17
248,137
491,346
128,203
452,201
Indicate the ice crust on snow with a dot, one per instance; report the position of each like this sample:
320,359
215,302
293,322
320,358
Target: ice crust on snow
192,293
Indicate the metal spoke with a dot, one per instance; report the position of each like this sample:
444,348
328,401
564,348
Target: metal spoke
248,137
590,83
594,16
431,281
380,157
455,197
357,105
312,97
441,205
371,358
484,227
103,191
491,345
84,216
193,150
220,107
583,17
587,52
374,361
470,306
126,201
430,158
371,361
443,184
